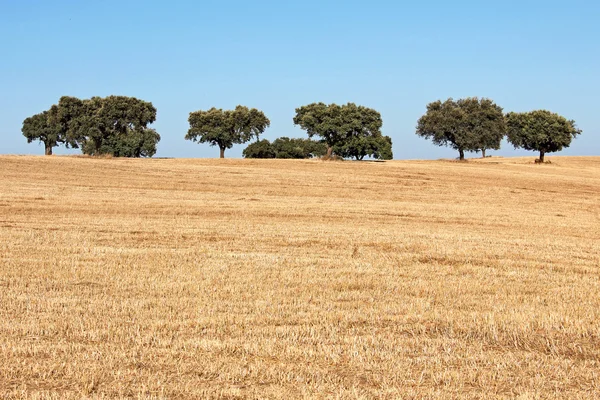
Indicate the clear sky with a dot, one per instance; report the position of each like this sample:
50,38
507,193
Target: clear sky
394,56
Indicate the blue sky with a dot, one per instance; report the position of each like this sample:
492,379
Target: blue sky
393,56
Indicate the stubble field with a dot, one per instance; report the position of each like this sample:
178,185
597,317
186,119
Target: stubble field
299,279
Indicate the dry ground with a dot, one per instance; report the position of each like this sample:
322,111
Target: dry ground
299,279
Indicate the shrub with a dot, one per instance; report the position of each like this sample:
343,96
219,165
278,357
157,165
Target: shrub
261,149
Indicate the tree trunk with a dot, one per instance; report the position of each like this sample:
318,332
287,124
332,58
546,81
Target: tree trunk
329,151
360,158
482,153
96,148
48,150
222,155
461,152
542,153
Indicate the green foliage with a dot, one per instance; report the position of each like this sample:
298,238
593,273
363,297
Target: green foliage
136,143
224,128
298,148
319,119
336,125
314,148
260,149
359,147
385,149
285,147
41,127
469,124
348,130
115,125
541,131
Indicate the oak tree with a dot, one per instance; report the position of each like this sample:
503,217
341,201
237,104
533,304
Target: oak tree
115,125
136,143
42,127
336,124
540,130
298,148
469,124
359,147
110,125
259,149
224,128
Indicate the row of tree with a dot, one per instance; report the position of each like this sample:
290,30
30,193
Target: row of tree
348,130
474,124
118,125
284,147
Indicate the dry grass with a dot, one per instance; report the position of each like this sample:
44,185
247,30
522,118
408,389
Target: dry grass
299,279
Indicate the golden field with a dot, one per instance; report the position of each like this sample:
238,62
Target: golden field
174,278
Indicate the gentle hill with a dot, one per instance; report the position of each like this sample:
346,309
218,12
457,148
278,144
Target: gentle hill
232,278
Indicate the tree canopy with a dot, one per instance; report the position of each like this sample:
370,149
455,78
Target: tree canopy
469,124
359,147
136,143
111,125
298,148
116,125
541,131
285,147
224,128
336,124
119,126
259,149
42,127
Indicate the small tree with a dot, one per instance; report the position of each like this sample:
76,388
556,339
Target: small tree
360,147
298,148
469,124
314,148
41,127
337,124
260,149
136,143
362,127
226,128
320,119
541,131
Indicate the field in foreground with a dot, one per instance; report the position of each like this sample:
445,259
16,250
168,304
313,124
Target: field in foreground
299,279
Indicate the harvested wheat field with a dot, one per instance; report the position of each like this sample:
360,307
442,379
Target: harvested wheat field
299,279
